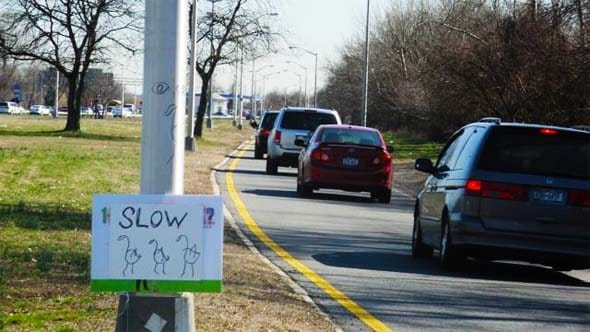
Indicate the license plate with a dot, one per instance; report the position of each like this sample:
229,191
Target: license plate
550,196
350,162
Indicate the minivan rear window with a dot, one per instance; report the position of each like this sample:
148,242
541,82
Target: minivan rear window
526,150
306,120
268,120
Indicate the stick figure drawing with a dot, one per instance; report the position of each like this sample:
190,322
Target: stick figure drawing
131,255
191,255
160,258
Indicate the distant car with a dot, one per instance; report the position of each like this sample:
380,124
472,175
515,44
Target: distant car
293,123
9,107
86,110
350,158
262,132
507,191
121,112
40,110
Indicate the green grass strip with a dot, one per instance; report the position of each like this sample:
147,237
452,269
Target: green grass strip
201,286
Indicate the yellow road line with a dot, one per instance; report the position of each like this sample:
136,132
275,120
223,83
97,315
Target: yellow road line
322,283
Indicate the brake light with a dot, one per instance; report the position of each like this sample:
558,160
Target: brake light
264,133
383,158
277,138
579,198
497,190
320,155
548,131
473,187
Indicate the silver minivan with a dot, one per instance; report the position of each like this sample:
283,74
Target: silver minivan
294,123
507,191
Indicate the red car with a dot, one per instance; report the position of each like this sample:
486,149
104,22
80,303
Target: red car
346,157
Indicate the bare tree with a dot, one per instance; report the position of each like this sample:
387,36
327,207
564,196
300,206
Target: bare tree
70,35
235,28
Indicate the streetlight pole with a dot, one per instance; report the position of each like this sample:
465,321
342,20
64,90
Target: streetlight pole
264,87
299,91
56,92
189,141
306,104
254,73
241,110
209,120
315,83
366,78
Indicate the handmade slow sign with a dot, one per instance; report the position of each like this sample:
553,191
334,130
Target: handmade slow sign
157,243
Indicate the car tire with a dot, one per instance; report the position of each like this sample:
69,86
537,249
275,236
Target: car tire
384,196
304,189
257,153
374,195
272,166
450,257
419,249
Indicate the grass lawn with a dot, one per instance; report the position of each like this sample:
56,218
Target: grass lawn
410,148
48,178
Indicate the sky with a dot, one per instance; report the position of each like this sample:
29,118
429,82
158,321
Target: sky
321,26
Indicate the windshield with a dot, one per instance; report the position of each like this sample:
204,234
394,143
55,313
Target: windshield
350,136
564,154
268,120
306,120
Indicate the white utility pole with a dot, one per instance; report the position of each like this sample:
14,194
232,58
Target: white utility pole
253,91
56,93
163,124
189,141
366,78
241,110
235,102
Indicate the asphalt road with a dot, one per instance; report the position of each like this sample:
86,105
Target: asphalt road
363,249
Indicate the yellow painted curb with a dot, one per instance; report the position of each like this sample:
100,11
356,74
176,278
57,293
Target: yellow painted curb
322,283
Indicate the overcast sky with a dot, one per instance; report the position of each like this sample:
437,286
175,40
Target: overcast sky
321,26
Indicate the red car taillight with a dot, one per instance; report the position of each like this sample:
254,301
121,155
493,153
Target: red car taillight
264,133
277,138
319,155
383,158
578,198
497,190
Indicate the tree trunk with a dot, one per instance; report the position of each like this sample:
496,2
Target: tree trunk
73,122
202,108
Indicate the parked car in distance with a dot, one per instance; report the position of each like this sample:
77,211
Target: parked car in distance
123,112
86,110
346,157
9,107
507,191
293,123
40,110
262,132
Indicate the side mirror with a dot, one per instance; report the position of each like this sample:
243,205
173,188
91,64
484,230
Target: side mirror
424,165
300,142
390,148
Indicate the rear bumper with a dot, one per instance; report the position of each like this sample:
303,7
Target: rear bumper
349,180
469,233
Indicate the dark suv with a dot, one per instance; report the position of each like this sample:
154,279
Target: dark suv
262,132
507,191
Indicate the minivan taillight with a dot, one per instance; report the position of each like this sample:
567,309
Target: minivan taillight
578,197
497,190
277,138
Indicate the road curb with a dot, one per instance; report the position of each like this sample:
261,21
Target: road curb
299,291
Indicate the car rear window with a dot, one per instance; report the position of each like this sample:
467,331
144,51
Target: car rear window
528,151
306,120
268,120
348,136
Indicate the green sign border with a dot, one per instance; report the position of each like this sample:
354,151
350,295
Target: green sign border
156,286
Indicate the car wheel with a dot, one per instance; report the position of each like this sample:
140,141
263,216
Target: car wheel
450,258
419,249
257,153
272,166
384,196
374,195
